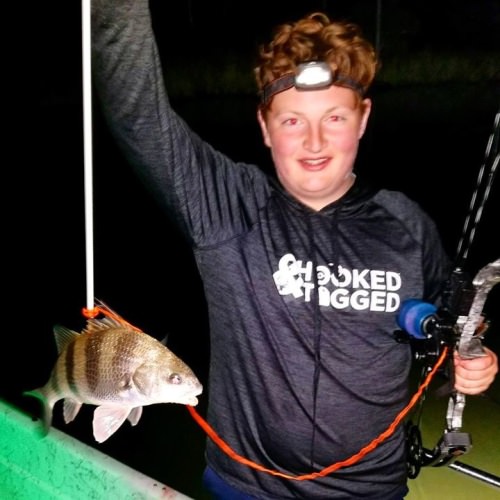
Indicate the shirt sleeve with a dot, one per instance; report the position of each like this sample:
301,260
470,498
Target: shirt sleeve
208,195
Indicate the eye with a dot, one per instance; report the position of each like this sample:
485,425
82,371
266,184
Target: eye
290,122
335,118
175,378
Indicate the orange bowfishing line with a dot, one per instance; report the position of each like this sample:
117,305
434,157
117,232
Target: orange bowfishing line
92,313
331,468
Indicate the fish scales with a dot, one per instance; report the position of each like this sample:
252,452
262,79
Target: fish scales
110,356
117,368
68,369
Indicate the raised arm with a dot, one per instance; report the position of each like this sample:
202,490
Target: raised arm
187,176
127,74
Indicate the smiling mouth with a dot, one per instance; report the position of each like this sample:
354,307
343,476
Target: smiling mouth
314,164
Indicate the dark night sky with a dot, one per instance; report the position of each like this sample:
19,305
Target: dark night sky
443,24
54,28
458,24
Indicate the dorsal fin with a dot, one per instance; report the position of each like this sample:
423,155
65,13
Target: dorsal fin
63,336
112,313
95,325
113,317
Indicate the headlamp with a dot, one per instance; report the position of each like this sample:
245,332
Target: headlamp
313,75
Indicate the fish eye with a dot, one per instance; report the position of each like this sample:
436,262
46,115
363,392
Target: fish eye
175,378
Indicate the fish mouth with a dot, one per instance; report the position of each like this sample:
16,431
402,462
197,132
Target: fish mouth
191,398
193,401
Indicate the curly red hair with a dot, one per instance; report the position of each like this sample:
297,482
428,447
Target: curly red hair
316,38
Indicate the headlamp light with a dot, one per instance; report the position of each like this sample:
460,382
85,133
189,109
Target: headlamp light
313,75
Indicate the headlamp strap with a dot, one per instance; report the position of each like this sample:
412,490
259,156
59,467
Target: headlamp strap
312,75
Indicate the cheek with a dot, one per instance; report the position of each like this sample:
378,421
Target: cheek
283,145
282,151
346,141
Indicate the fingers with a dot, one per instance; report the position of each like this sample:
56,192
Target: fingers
474,376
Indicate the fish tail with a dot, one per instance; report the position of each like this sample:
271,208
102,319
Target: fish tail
46,408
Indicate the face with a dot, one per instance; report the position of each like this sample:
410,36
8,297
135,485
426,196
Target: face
313,136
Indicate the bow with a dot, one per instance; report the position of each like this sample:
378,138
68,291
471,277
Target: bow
459,324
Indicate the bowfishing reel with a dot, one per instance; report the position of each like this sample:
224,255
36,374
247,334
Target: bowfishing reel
429,329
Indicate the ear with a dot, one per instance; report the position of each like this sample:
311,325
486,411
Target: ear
366,107
263,128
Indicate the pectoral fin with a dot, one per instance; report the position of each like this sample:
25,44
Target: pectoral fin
135,415
107,420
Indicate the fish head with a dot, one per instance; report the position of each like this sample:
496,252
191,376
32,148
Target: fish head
183,388
174,383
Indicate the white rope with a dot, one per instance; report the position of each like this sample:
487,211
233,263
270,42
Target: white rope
87,153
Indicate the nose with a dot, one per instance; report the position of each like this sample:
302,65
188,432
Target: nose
314,140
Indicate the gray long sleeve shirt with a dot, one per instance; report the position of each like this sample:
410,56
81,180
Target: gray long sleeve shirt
304,368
